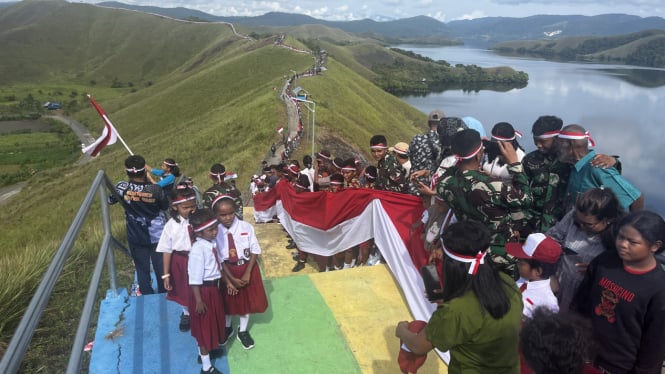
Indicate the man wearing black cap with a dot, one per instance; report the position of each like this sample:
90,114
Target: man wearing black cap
474,195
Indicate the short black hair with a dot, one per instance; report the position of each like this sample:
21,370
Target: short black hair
378,139
547,269
554,343
546,124
135,166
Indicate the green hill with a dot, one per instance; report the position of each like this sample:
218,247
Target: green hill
645,48
212,97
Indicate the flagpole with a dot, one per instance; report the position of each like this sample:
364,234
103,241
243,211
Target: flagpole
107,120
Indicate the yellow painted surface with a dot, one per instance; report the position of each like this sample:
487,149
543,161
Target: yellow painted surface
367,305
365,301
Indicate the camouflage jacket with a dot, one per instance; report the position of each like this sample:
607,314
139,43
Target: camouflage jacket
548,178
474,195
424,151
391,175
225,188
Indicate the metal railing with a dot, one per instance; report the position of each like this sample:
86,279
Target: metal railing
11,361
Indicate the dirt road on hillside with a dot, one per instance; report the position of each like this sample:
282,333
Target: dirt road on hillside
6,193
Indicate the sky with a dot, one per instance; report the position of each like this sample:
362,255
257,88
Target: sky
443,10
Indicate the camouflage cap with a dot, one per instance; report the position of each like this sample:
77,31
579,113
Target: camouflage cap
448,127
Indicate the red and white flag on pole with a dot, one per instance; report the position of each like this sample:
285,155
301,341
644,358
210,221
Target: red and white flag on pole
280,130
109,134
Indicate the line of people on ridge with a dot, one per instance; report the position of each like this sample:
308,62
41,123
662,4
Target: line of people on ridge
203,254
531,240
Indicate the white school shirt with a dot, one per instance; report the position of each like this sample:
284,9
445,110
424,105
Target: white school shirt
175,237
538,293
202,265
243,237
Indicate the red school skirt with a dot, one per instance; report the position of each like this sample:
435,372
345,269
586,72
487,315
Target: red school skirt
249,299
208,328
180,291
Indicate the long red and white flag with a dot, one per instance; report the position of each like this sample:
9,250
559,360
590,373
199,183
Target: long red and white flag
109,134
326,223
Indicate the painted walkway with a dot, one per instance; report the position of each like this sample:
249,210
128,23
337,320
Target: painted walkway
336,322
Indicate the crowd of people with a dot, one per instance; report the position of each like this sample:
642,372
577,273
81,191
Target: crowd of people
521,241
525,241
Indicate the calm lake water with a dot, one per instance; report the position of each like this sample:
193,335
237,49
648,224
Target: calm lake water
621,106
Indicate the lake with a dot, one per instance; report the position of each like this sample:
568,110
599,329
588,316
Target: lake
621,106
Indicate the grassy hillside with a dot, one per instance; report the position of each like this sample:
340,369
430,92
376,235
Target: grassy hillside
213,98
645,48
47,40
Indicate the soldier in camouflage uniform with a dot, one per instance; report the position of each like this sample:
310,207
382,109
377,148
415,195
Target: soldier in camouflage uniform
548,177
391,175
474,195
220,187
425,149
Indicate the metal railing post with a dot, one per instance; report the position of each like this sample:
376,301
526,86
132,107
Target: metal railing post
106,220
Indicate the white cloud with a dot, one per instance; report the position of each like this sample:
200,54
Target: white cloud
473,15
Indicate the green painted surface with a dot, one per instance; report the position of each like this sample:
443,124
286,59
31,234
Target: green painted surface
297,334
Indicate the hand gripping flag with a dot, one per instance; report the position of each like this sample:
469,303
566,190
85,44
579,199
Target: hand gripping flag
109,134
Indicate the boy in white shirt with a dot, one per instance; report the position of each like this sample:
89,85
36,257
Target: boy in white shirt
537,263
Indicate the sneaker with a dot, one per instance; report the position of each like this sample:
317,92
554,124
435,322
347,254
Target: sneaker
229,334
299,266
291,246
245,339
215,353
184,322
212,370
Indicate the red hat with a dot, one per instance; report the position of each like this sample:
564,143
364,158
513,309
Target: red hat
538,247
410,362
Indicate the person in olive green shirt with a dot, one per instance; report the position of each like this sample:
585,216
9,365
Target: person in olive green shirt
479,321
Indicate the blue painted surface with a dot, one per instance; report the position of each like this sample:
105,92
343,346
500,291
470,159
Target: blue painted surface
147,340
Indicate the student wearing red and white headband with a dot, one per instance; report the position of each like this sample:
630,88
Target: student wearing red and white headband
495,164
167,174
479,320
174,245
573,143
238,248
208,316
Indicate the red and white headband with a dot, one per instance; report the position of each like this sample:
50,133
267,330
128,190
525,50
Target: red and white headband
182,199
475,261
337,183
205,225
301,186
503,139
170,164
219,198
472,154
548,135
135,170
348,168
378,146
322,155
369,176
577,136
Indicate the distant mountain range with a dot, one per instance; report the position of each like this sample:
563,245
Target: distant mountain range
484,31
